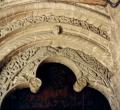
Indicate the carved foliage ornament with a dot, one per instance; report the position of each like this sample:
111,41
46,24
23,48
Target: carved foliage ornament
53,19
90,69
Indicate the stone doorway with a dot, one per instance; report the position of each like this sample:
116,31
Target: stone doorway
56,93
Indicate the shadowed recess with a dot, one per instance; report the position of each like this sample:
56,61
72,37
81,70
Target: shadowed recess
56,93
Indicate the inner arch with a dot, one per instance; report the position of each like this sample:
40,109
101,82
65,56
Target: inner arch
56,93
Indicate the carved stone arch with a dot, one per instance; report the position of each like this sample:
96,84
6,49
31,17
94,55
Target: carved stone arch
41,21
74,28
62,60
81,81
22,68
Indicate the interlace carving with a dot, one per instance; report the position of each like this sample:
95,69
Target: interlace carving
89,67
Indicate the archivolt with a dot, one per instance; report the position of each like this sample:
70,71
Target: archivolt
22,67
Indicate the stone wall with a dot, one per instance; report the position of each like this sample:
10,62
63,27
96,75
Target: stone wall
115,45
83,37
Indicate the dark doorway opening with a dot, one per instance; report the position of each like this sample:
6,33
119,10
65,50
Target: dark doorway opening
56,93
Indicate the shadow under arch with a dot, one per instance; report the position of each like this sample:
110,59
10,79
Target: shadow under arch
55,94
55,75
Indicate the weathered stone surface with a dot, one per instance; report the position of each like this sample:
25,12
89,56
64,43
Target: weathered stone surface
98,2
115,46
6,3
83,37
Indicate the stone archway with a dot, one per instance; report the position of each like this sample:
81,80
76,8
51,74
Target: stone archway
21,69
33,33
56,93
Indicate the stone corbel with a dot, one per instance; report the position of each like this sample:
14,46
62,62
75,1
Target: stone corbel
33,82
80,84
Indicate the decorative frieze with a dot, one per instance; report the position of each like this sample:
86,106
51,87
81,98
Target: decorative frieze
52,19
